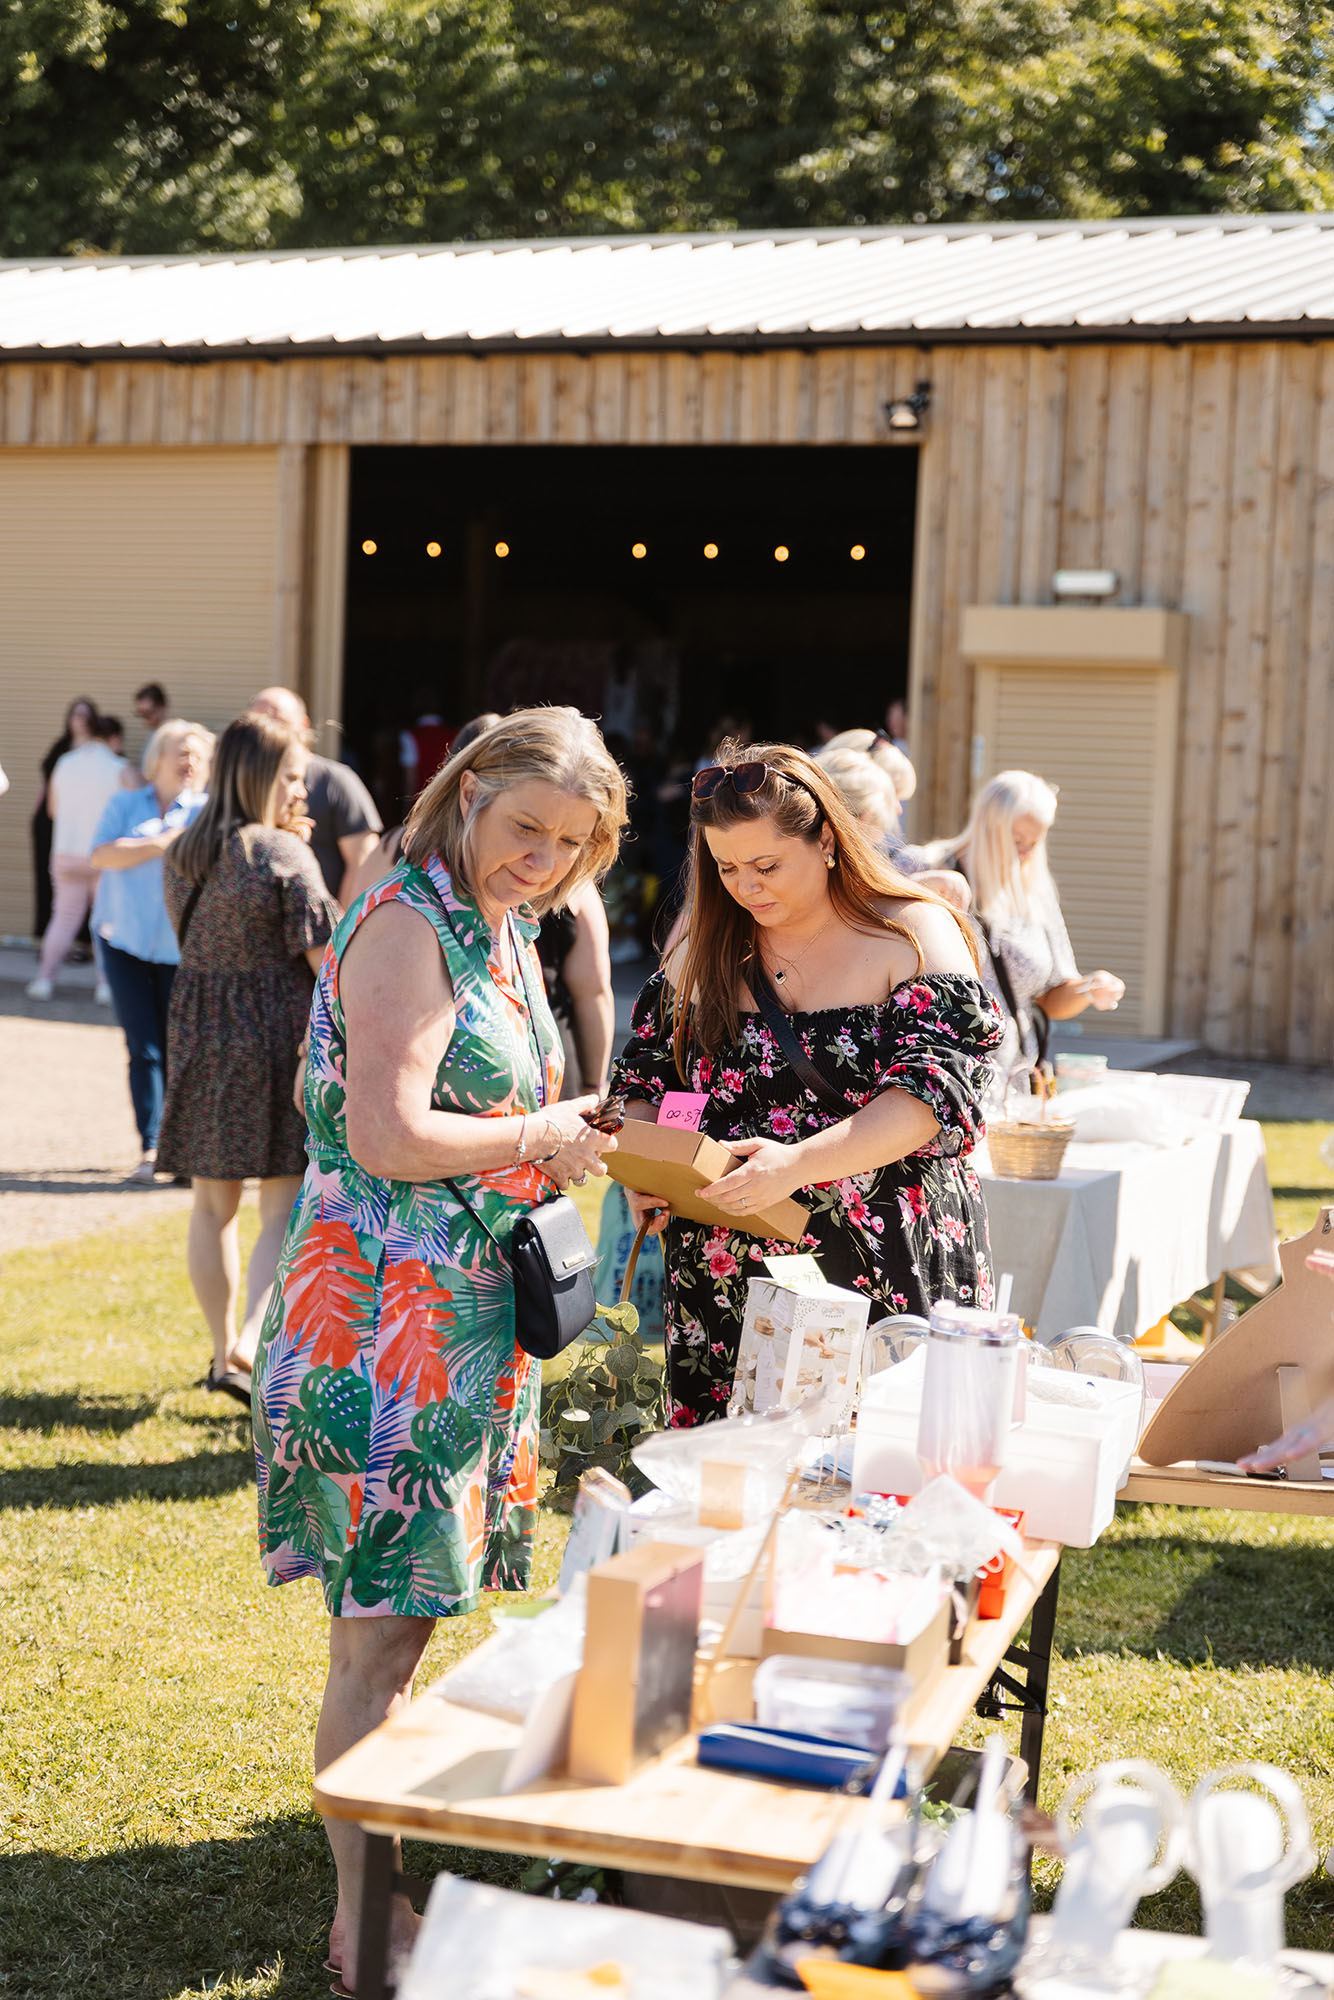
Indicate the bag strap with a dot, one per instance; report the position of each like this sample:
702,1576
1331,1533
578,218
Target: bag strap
191,902
1041,1024
779,1024
476,1215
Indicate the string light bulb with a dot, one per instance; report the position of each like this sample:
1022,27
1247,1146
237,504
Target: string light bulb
781,553
856,551
369,548
639,551
433,548
710,550
502,548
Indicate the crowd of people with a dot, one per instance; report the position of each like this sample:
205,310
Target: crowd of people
402,1037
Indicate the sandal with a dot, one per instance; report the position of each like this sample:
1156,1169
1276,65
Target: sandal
229,1383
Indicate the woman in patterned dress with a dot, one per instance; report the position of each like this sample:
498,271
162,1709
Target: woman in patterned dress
395,1416
880,980
247,902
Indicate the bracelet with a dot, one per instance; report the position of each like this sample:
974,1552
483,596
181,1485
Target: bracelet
523,1139
542,1158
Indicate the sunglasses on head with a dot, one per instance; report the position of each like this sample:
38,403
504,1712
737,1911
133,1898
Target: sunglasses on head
744,779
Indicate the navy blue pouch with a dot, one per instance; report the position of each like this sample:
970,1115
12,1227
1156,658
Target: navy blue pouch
787,1755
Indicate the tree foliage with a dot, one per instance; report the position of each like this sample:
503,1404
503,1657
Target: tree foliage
157,125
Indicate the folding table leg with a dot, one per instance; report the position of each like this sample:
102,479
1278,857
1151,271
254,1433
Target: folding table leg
1028,1697
1042,1630
378,1875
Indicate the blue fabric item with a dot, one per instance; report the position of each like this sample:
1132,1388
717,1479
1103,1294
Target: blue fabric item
140,995
128,910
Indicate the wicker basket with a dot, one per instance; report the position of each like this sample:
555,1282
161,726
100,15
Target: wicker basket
1030,1149
1029,1152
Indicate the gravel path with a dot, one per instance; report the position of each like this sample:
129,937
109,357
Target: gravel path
67,1137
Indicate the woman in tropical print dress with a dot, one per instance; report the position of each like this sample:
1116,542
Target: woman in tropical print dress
881,984
395,1416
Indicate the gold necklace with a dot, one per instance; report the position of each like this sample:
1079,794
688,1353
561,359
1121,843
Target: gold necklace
792,963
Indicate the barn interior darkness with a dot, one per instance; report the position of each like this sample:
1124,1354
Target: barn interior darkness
662,588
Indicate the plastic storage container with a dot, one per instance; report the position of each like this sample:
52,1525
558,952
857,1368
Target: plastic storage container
1064,1464
838,1698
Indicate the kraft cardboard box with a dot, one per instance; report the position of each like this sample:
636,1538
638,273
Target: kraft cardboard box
633,1695
675,1164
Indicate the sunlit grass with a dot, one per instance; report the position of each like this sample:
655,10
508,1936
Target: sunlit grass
157,1701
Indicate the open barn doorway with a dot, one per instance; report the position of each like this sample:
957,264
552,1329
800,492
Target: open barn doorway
661,588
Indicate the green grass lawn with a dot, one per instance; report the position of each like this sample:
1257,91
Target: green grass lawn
157,1701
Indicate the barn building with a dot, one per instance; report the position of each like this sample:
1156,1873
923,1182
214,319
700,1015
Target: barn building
784,476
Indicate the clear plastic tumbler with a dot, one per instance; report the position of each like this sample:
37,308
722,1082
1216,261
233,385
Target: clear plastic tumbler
968,1395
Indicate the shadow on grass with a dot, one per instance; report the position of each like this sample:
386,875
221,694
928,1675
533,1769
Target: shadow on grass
155,1921
205,1476
1228,1603
74,1411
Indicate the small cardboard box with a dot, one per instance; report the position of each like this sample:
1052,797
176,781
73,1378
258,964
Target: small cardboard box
673,1164
796,1339
633,1694
918,1658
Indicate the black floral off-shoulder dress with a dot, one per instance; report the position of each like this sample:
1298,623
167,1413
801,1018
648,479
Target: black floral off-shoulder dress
909,1233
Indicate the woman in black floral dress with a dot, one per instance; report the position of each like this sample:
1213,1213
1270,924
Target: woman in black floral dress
881,986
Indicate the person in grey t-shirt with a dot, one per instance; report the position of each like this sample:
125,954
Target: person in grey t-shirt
346,824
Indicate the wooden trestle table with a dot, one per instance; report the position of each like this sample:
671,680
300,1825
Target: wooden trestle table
433,1771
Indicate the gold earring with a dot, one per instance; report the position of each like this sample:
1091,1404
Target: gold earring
829,861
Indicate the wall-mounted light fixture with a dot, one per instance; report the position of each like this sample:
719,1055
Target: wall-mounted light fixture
1085,583
906,413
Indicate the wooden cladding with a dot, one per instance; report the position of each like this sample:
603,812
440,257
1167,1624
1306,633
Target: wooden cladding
1202,473
836,397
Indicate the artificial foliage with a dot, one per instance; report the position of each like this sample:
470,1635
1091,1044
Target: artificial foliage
612,1395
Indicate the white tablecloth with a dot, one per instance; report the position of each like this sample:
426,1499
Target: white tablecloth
1128,1231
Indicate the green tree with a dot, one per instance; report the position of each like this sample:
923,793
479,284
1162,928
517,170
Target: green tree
142,126
243,123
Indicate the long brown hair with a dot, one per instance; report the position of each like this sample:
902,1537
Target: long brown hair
560,747
246,763
717,940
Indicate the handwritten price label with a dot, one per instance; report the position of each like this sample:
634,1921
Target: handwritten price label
683,1109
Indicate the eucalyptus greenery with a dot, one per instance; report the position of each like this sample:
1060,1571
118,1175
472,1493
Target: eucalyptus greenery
613,1395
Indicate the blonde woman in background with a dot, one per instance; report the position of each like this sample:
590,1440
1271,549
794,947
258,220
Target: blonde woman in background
866,786
1003,854
134,933
252,916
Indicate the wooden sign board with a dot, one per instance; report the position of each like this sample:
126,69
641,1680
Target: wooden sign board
1228,1403
674,1165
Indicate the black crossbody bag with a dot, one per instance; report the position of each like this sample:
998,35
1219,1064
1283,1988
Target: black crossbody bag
779,1024
550,1255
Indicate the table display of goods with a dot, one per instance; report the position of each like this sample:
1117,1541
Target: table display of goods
481,1943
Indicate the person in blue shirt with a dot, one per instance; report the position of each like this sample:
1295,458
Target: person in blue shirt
139,949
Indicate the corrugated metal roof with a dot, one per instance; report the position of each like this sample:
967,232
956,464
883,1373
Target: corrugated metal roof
1184,277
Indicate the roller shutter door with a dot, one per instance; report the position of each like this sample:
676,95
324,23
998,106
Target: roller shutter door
1107,739
118,567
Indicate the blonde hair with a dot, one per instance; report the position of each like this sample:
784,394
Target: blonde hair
865,787
241,793
1005,889
553,746
717,937
166,735
875,744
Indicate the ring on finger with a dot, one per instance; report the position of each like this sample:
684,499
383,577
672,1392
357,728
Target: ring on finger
579,1179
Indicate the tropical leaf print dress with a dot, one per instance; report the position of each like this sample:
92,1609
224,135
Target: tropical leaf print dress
907,1233
395,1416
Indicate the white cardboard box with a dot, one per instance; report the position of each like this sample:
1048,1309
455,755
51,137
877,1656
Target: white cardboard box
795,1340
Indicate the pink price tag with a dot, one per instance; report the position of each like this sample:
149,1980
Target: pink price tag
683,1109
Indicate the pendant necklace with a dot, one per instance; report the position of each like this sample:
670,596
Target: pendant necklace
792,963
